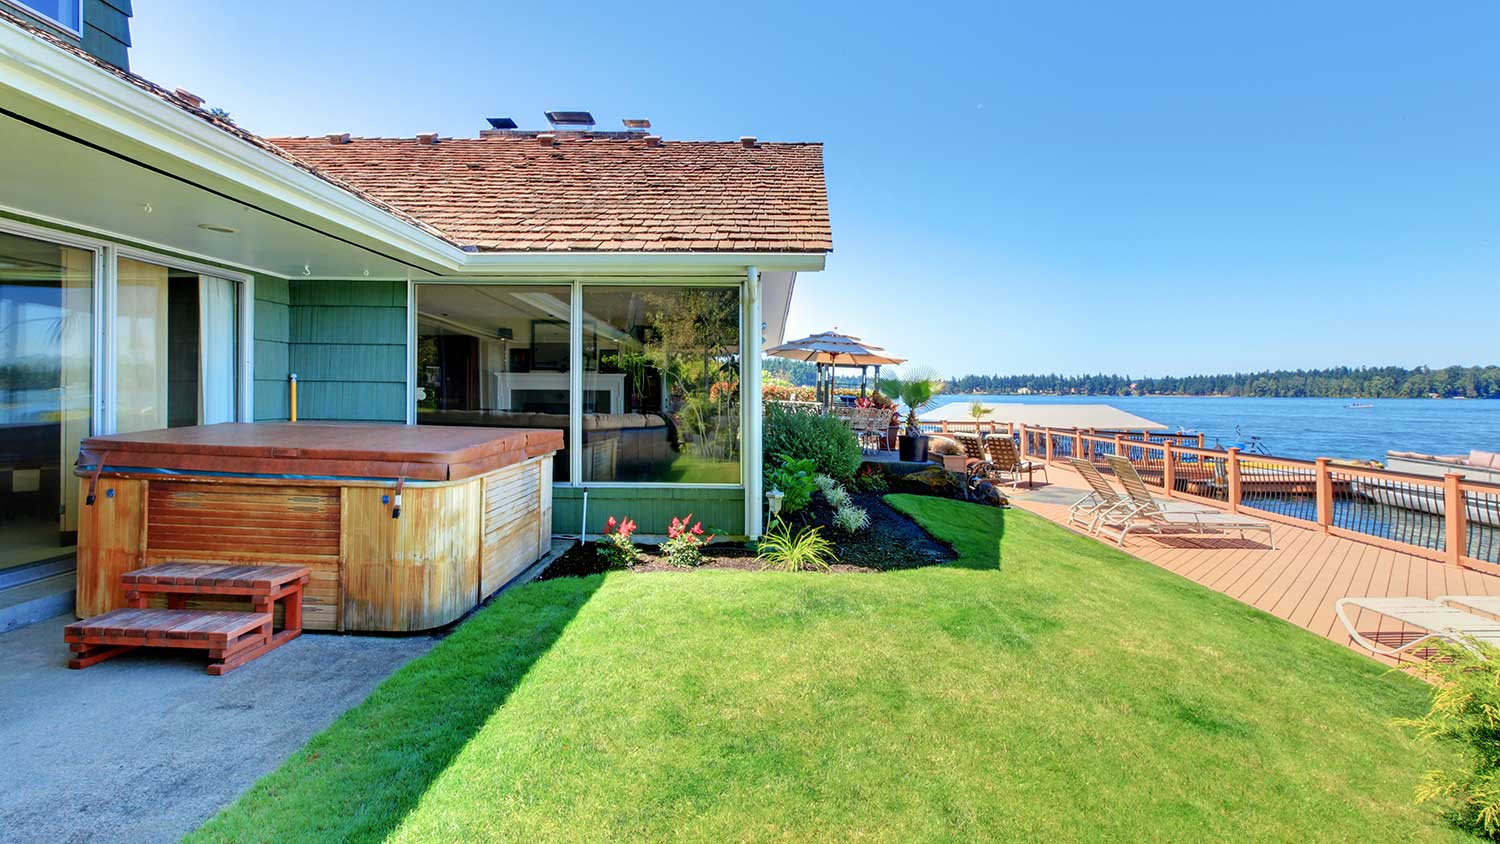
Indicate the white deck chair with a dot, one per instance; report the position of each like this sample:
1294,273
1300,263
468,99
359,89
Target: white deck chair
1101,499
1147,515
1482,605
1436,617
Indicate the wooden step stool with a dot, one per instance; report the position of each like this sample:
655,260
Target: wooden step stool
231,638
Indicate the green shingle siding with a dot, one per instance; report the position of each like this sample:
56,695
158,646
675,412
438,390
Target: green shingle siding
720,510
272,341
106,30
348,348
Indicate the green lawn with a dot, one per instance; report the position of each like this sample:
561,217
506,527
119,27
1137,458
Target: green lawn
1044,688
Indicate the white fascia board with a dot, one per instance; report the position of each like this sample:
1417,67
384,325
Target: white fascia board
43,72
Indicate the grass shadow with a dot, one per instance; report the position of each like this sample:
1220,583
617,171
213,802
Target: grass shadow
358,779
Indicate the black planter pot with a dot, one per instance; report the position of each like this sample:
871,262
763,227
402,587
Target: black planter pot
913,449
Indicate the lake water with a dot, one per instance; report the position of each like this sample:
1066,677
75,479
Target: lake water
1309,428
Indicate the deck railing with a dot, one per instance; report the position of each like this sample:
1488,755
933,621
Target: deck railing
1449,519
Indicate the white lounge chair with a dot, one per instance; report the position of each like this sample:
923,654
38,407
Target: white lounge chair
1147,515
1437,618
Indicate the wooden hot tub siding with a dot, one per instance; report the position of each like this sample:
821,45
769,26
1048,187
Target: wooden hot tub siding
455,543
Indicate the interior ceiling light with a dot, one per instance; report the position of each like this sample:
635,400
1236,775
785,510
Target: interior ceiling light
215,227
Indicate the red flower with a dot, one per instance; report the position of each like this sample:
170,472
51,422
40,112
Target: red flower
609,526
698,528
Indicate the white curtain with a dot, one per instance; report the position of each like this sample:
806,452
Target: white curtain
140,346
218,344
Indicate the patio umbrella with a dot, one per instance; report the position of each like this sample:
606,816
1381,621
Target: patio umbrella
832,349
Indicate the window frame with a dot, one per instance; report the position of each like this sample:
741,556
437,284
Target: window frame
575,361
244,359
28,10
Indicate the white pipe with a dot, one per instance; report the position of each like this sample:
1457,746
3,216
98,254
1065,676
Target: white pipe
583,526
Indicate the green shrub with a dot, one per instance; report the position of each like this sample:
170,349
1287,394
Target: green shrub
796,479
618,549
826,484
851,519
779,549
870,478
837,497
685,538
943,445
1465,714
825,440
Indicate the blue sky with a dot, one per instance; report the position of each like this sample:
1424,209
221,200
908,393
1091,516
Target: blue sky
1166,188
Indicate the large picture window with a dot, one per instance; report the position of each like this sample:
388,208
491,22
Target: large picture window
661,384
494,355
65,13
46,371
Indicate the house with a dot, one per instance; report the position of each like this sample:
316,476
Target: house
162,266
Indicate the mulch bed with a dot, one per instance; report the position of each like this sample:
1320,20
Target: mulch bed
892,542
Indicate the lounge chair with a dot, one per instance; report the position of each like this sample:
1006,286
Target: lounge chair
1005,460
1147,515
1088,511
1437,618
979,462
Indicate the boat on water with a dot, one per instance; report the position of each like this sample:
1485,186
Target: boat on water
1423,499
1358,406
1481,466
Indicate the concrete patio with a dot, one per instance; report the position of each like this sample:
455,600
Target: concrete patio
145,747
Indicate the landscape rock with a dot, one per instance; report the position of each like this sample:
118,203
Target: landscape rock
933,480
985,492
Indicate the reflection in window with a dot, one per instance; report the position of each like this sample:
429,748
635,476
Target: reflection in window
494,355
46,364
661,384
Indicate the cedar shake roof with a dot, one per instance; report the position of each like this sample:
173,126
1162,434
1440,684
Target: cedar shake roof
607,192
591,192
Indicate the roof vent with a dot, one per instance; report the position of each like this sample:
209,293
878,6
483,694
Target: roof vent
502,123
192,99
427,138
578,121
546,139
337,138
639,125
653,140
748,141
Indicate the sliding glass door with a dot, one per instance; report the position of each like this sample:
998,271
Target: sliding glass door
175,350
46,397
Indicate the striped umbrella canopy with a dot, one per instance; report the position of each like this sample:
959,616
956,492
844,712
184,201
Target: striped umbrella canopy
833,349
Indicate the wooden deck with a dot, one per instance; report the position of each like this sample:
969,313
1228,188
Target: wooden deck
1298,581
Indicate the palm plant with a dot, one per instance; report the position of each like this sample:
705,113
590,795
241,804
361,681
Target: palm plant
916,387
978,410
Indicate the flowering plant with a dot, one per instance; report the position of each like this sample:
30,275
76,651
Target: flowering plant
684,538
619,549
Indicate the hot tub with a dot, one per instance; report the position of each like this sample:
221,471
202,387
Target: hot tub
475,510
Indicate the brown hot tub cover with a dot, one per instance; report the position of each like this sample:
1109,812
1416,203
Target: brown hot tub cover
415,452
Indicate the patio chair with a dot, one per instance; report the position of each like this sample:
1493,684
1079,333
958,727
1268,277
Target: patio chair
870,424
1101,499
1005,460
1437,619
973,447
1147,515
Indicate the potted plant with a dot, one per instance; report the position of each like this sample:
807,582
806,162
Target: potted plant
949,453
916,388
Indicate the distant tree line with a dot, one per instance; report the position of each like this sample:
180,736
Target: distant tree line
1474,382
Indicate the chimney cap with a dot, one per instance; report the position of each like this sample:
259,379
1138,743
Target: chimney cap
502,123
637,124
653,140
748,141
546,139
427,137
193,99
338,138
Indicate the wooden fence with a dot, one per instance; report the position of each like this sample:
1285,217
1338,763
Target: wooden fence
1448,519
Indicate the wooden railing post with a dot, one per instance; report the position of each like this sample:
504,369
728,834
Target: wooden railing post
1047,434
1120,447
1025,446
1232,468
1456,517
1325,494
1078,444
1200,439
1168,469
